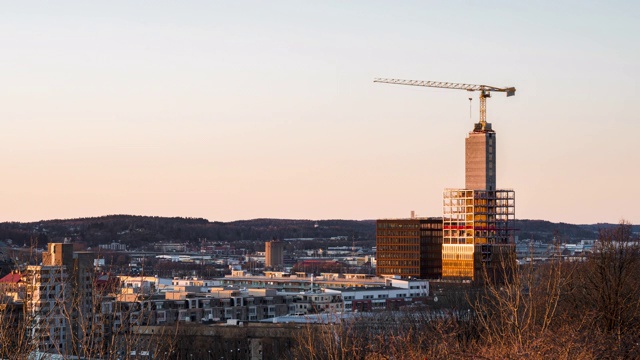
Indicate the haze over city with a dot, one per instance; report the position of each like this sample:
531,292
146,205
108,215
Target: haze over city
239,110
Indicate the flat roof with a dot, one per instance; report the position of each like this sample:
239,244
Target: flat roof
307,279
371,288
413,218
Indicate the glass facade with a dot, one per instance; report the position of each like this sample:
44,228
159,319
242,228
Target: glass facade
475,222
409,247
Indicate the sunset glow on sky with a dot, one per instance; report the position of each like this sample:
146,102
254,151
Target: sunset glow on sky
232,110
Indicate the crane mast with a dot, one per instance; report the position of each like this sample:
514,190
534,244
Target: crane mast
485,91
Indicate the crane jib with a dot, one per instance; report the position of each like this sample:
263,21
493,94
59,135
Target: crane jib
447,85
485,92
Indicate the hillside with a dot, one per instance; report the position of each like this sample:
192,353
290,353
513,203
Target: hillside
138,231
546,231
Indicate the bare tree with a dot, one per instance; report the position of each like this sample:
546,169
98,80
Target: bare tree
14,343
606,293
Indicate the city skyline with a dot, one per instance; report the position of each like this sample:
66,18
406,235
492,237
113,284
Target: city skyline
231,111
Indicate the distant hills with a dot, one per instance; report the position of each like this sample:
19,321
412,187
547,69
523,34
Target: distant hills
546,231
137,231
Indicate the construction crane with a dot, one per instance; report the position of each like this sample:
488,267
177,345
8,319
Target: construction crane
485,91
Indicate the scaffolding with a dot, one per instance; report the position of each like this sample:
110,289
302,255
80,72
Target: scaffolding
474,223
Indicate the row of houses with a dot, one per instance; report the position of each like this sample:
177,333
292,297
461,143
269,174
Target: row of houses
64,301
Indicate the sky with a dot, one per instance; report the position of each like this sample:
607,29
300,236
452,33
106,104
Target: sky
230,110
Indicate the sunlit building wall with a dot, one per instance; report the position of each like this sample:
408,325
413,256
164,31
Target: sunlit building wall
478,221
409,247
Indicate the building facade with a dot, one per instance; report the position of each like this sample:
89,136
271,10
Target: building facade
47,308
301,282
409,247
274,254
477,229
59,298
480,159
392,295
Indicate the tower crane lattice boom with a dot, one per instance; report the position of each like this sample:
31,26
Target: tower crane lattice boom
485,91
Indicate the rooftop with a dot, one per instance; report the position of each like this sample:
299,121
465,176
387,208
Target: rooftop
12,278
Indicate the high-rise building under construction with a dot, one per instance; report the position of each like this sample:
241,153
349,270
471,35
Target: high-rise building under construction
477,220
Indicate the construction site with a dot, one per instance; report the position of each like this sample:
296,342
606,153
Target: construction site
477,221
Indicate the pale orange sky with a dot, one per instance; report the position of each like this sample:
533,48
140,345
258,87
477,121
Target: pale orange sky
239,110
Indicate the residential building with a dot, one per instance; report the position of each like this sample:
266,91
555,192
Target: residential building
315,302
11,288
300,282
394,294
47,307
59,298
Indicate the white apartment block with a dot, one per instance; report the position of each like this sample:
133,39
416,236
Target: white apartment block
47,308
394,293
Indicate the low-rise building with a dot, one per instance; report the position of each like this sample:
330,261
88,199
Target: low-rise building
395,293
114,246
301,282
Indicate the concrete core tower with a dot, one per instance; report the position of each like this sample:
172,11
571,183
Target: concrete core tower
480,158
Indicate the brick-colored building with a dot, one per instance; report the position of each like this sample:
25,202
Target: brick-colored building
409,247
274,254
